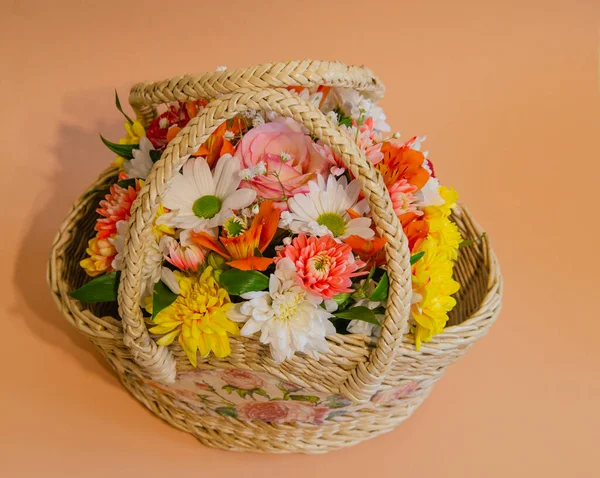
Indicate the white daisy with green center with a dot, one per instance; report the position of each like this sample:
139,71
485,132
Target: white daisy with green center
200,199
324,210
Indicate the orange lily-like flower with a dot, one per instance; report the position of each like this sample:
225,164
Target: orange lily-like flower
369,250
216,145
415,227
400,161
240,251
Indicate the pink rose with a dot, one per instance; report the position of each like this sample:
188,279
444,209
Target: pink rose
283,411
242,379
279,158
402,391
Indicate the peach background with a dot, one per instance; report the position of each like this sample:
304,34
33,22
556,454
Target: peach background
508,94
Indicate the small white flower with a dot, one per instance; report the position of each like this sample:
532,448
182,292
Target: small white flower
323,210
141,163
163,123
201,200
221,68
285,219
260,168
333,117
229,135
257,120
288,317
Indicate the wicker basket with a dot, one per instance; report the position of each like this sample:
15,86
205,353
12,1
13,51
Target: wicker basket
363,387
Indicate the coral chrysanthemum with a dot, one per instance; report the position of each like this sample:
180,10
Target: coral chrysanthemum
114,208
197,317
324,266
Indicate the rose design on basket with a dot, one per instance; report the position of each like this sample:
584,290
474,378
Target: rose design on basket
278,159
403,391
280,411
243,382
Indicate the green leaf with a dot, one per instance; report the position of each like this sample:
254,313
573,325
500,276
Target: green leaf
337,401
380,292
414,258
358,313
239,282
336,413
260,391
118,103
466,243
123,150
126,183
371,273
155,155
162,298
227,412
305,398
101,289
342,118
341,299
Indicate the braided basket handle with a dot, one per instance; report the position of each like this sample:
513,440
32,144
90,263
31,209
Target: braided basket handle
366,378
143,97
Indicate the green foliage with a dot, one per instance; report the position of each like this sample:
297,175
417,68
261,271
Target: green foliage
380,293
162,297
101,289
123,150
118,104
358,313
239,282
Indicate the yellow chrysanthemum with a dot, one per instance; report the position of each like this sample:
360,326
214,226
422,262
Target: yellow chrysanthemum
441,227
433,286
198,317
133,133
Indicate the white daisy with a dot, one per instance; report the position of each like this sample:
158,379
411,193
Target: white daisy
201,200
289,318
323,210
141,164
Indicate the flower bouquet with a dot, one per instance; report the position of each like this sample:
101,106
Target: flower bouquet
266,259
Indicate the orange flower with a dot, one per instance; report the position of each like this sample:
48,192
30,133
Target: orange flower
400,161
369,250
415,227
216,145
240,250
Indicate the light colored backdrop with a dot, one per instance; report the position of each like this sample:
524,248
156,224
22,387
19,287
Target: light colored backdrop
507,93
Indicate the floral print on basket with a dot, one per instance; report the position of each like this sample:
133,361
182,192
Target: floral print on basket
259,396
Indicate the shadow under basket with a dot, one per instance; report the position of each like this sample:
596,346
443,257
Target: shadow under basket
248,402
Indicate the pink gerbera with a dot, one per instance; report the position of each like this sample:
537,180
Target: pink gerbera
114,208
323,266
403,197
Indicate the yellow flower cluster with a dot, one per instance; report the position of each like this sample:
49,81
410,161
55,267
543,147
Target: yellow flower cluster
133,133
433,284
198,317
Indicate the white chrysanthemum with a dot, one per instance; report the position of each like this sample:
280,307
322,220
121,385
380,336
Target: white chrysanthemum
141,164
323,210
201,200
355,105
289,318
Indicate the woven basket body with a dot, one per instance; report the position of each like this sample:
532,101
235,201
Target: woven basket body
361,388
